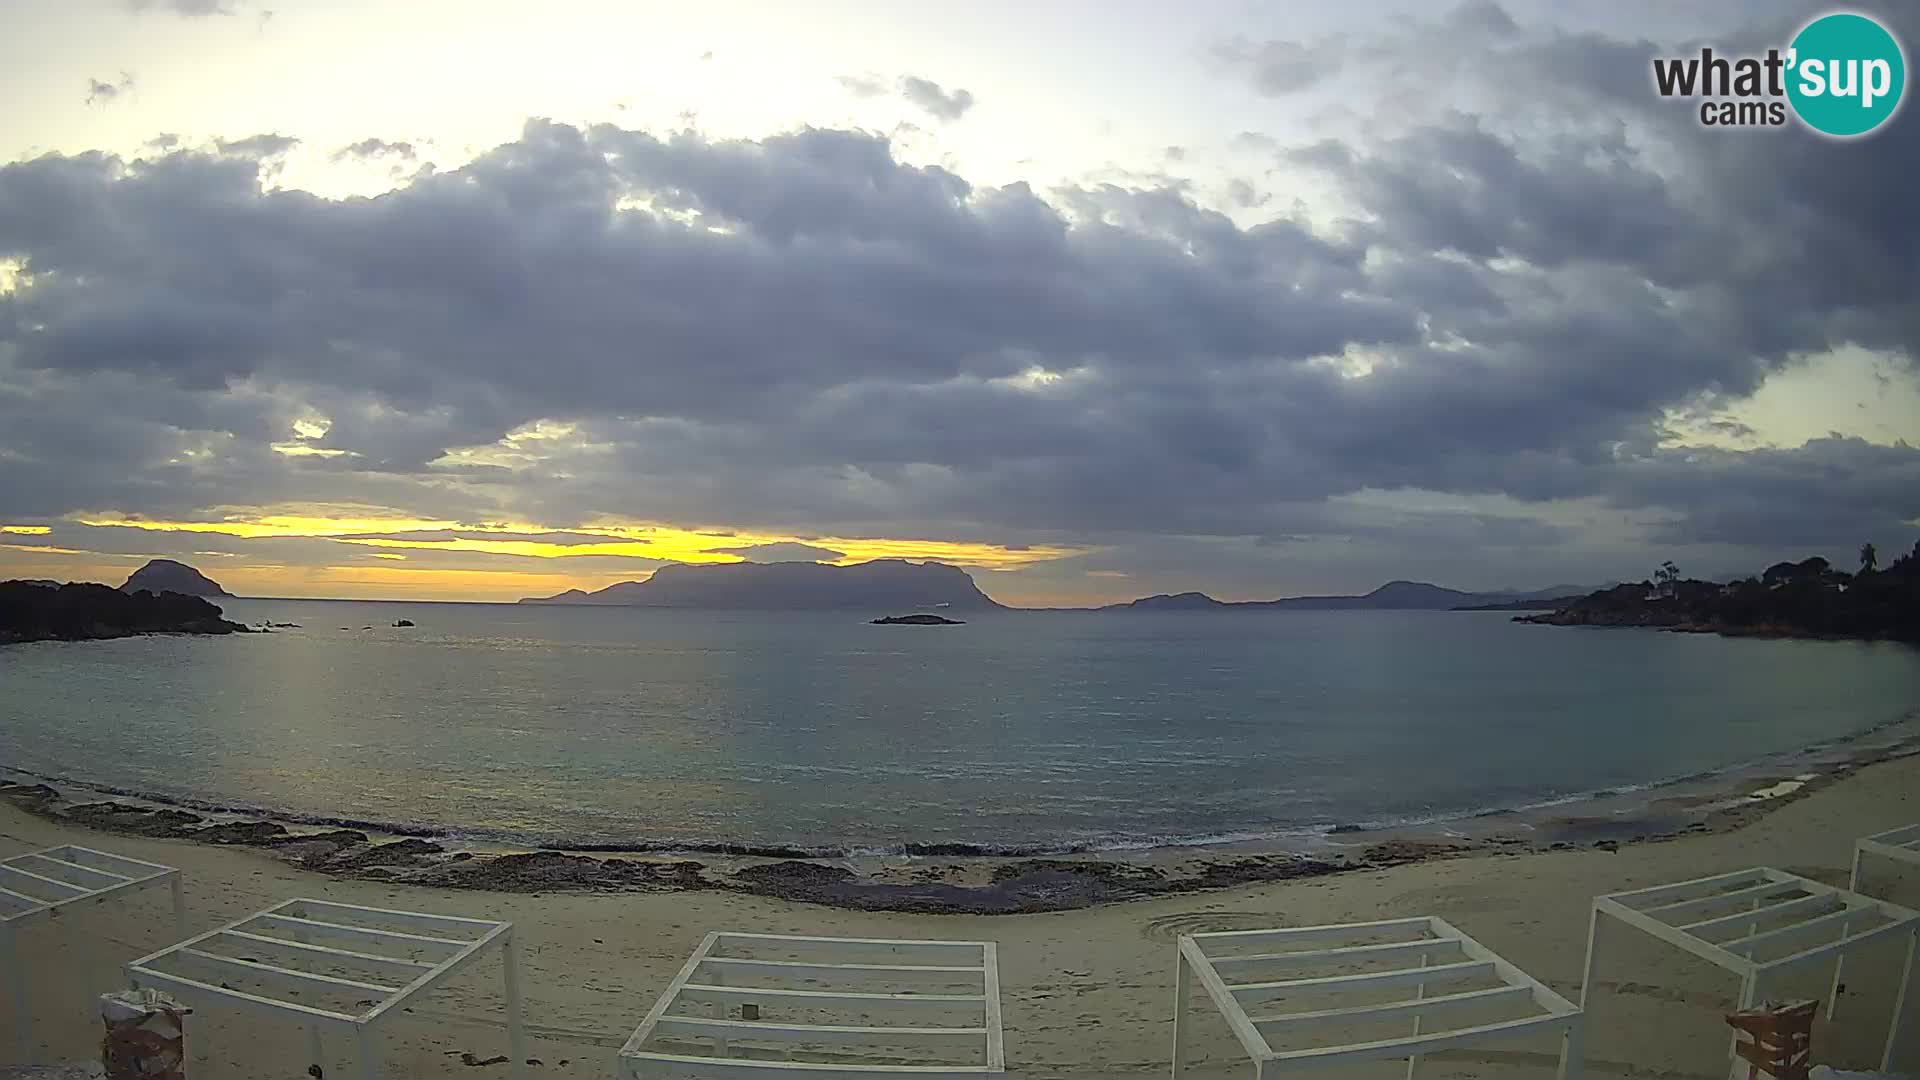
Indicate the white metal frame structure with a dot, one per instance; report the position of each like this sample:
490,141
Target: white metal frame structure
891,975
1735,919
389,956
42,885
1900,845
1423,953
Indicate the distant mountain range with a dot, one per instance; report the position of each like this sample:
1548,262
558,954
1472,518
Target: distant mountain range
1393,596
167,576
892,585
896,585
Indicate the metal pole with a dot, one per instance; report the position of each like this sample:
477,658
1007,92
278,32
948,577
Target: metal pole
179,908
1749,993
1586,972
1572,1052
22,1020
1900,1004
1181,998
1840,962
369,1063
720,1013
1419,992
516,1029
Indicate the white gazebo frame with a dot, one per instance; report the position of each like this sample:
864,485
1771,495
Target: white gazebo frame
1730,901
41,885
296,925
1192,959
1900,845
887,963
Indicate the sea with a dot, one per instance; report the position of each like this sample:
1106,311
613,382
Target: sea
817,733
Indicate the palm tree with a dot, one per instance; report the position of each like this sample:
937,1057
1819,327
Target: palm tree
1869,558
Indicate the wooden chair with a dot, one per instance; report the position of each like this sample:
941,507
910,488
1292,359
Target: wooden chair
1782,1035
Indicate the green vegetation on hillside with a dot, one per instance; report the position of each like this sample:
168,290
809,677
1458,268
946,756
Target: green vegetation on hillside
1809,598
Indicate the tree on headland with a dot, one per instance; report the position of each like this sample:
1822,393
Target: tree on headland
1808,598
1666,578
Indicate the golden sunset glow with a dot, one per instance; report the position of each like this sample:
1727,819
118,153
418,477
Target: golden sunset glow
600,547
398,581
632,549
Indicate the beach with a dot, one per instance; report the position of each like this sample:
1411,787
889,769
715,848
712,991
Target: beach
1086,992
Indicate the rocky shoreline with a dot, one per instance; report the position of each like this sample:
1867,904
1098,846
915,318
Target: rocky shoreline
36,611
985,885
1009,885
1675,624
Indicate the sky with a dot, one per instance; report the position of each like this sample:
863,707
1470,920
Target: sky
480,300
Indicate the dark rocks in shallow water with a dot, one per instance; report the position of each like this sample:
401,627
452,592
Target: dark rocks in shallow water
138,820
1262,868
313,850
344,838
253,833
1111,872
544,871
31,797
1027,885
793,871
1396,852
412,851
403,622
917,620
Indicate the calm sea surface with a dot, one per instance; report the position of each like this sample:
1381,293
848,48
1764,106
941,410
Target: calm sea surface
625,726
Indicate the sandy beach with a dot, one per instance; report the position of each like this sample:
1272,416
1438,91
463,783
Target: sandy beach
1087,992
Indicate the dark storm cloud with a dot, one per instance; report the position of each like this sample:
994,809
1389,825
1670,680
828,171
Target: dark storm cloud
803,332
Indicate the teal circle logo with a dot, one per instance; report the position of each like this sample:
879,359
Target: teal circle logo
1845,74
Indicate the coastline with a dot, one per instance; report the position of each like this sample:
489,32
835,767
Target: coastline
1086,992
968,879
